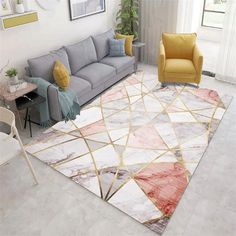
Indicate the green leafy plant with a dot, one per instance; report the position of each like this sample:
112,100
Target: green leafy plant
11,72
127,17
19,1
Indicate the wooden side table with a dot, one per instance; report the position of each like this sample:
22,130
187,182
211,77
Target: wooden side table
9,99
137,46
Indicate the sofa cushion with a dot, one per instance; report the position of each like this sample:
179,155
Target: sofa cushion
81,54
97,73
180,66
120,63
179,45
79,86
43,66
101,43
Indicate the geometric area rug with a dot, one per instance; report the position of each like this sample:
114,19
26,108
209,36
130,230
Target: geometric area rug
136,146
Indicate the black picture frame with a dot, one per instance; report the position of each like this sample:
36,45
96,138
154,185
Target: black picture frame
72,17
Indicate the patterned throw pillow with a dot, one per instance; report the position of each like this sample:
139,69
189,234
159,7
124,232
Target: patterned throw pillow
117,47
128,43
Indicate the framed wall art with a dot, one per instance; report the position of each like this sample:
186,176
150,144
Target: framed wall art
83,8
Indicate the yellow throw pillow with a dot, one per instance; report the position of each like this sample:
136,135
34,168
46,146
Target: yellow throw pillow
61,75
128,43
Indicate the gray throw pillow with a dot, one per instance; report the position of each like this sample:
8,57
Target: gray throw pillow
117,47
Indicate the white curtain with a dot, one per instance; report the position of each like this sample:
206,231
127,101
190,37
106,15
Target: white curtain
156,16
189,15
226,66
185,16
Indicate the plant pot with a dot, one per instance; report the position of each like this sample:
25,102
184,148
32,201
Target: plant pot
27,5
20,8
14,80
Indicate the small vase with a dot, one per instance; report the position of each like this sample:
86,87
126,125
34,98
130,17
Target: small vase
14,79
20,8
27,5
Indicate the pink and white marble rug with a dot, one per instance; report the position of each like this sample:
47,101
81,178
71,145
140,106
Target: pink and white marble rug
136,146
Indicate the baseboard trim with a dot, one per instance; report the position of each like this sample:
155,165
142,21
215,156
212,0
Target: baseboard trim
208,73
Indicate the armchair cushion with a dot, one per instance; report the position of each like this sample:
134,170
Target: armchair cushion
179,45
182,66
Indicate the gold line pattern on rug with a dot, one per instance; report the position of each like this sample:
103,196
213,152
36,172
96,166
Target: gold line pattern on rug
136,146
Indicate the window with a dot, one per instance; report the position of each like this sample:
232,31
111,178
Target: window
213,13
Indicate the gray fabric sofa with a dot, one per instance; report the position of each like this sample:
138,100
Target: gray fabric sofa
91,69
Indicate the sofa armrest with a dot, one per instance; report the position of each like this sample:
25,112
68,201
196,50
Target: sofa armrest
161,62
53,103
197,60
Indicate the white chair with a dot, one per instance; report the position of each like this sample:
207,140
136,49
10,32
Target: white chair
9,146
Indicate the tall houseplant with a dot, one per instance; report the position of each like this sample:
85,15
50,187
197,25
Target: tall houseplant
127,18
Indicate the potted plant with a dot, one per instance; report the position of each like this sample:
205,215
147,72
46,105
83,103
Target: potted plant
13,75
20,6
127,18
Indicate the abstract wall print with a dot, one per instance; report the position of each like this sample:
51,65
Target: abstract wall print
5,8
82,8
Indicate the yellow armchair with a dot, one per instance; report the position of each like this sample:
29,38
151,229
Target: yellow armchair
180,60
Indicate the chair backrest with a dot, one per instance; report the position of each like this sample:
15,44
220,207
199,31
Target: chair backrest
179,46
7,116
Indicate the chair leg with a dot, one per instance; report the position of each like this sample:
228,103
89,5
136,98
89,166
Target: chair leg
30,166
26,156
18,115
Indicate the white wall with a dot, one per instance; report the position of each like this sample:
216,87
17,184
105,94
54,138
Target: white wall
53,30
210,34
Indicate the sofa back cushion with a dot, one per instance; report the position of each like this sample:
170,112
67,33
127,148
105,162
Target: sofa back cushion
179,46
101,43
43,66
81,54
